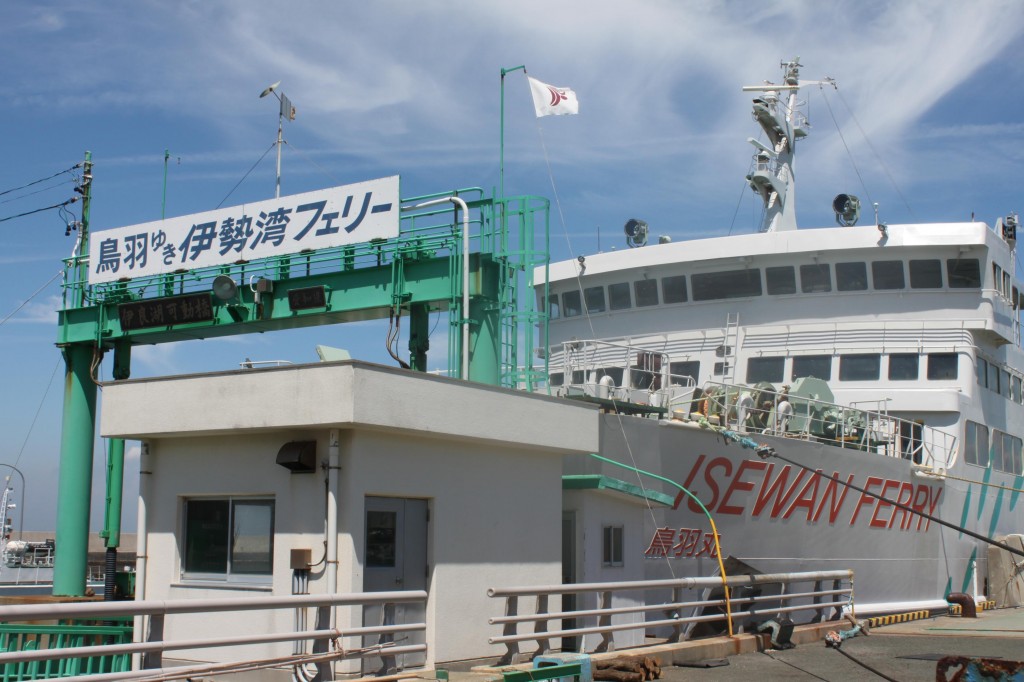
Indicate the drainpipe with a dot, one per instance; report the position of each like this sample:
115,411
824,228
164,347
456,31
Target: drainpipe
141,546
333,466
465,272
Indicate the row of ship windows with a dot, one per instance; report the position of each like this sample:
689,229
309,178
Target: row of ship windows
994,378
886,275
853,367
1002,452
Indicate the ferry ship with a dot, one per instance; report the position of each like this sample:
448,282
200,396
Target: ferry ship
881,361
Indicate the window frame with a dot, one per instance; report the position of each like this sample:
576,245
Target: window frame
228,576
848,371
612,546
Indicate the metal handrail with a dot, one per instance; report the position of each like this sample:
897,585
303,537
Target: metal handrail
158,610
776,604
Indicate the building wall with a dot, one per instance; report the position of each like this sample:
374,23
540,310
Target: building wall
593,511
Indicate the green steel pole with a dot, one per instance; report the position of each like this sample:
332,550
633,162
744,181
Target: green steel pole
115,484
163,203
501,145
74,487
484,341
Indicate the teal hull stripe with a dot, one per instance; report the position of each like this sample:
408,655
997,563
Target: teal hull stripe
969,574
1018,483
967,507
984,488
998,507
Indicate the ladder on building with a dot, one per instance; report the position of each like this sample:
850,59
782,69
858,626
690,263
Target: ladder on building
730,339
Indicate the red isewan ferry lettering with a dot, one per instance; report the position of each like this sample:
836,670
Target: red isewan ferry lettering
782,492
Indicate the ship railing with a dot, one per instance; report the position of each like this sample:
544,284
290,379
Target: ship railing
64,655
660,608
620,373
763,410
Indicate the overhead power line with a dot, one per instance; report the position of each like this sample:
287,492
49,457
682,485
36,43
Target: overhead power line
39,210
36,182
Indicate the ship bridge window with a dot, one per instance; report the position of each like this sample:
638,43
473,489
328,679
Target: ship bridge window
711,286
888,274
963,273
942,366
1016,390
816,278
673,289
1006,453
766,369
228,539
818,366
594,297
926,274
1004,383
993,377
780,280
851,276
553,307
904,366
683,370
646,291
571,306
981,371
618,296
860,367
976,444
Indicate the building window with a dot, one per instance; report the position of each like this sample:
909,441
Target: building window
611,554
712,286
904,366
571,306
926,274
851,276
780,280
646,291
976,444
818,366
815,279
557,379
682,370
942,366
381,539
963,273
766,369
864,367
229,539
594,297
674,289
888,274
618,296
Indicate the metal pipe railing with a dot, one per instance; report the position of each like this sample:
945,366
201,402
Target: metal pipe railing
775,604
158,610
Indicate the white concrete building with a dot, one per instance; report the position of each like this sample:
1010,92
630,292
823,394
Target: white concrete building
441,485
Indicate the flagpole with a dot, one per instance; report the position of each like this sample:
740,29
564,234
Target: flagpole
501,147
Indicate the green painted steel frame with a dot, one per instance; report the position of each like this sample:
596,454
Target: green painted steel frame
415,273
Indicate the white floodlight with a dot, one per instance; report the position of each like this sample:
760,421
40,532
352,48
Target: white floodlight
270,89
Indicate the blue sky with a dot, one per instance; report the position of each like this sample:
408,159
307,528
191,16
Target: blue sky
928,106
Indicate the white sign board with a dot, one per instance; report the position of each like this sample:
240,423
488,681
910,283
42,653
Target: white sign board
326,218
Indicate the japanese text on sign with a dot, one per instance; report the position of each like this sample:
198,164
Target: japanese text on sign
339,216
684,543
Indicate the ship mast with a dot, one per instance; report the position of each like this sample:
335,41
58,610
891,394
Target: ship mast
772,177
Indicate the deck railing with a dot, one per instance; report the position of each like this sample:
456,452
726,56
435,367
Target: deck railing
749,605
326,647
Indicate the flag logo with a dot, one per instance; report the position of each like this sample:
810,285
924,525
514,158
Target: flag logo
549,100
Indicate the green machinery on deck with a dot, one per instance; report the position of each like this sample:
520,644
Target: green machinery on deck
408,277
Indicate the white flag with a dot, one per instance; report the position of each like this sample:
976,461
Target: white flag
548,100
